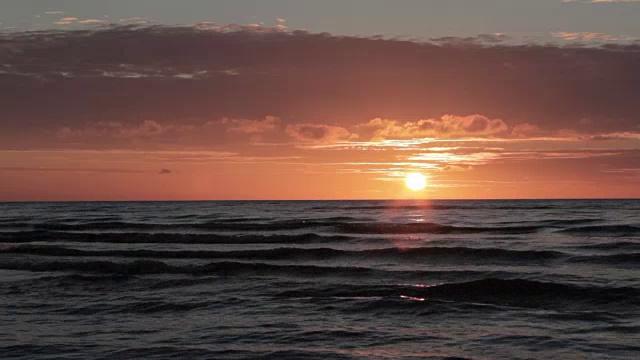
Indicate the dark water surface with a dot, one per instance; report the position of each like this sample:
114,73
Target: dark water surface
321,279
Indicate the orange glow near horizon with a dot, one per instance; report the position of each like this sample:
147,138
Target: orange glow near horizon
274,173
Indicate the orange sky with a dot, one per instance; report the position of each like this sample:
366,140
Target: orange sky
277,114
460,168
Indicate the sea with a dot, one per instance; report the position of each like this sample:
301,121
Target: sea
419,279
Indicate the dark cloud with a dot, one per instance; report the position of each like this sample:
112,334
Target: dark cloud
318,133
179,75
165,171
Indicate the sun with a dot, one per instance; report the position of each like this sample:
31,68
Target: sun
415,181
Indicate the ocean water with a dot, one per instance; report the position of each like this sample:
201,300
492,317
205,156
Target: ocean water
321,279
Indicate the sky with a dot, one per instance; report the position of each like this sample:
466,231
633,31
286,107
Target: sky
284,99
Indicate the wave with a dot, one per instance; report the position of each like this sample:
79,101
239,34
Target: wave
632,259
603,230
452,254
430,228
553,223
166,238
529,289
140,307
224,224
289,253
506,292
492,290
494,206
339,224
103,271
61,351
344,227
613,246
190,352
487,290
142,267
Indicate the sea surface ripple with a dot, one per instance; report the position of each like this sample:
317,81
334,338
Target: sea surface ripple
521,279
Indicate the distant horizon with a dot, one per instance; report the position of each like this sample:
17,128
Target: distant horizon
303,200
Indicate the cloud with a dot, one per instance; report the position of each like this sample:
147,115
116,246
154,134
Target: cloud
53,12
460,159
377,133
472,40
135,21
147,129
72,19
224,131
626,135
165,171
269,123
447,126
524,131
588,36
103,84
91,21
318,133
252,28
151,133
132,19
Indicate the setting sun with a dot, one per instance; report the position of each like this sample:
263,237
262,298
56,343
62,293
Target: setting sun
415,181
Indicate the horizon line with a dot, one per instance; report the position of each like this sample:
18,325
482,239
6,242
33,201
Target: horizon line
304,200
